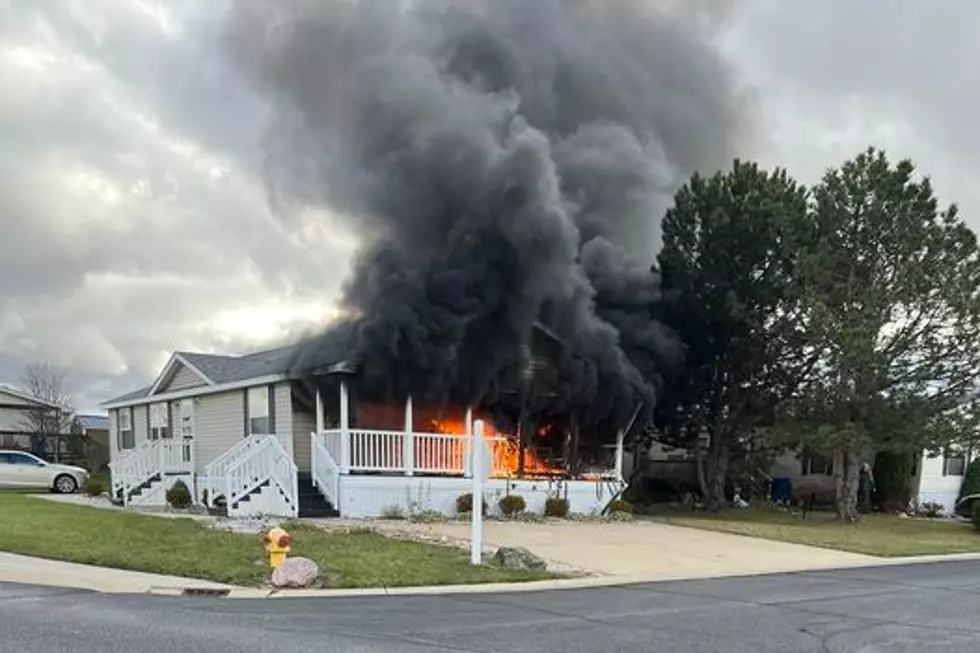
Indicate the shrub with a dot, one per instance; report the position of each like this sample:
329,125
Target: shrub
511,505
179,496
464,504
970,486
621,506
393,513
428,517
931,509
556,507
893,479
976,515
95,487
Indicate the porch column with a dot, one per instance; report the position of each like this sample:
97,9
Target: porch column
619,455
319,414
344,430
408,440
468,444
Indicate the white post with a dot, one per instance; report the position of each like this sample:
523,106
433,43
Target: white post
408,441
619,455
344,430
476,520
468,444
319,414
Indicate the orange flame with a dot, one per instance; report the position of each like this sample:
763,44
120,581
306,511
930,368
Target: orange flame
506,450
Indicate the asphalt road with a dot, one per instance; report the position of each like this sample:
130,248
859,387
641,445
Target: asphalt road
920,608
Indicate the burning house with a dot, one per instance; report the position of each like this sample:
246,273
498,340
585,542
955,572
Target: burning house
503,166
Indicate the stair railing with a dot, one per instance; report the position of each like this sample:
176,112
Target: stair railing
267,461
325,471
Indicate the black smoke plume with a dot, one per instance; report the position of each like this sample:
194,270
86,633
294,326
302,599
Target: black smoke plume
505,164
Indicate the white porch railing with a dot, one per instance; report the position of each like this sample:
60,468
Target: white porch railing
140,465
398,452
325,470
265,462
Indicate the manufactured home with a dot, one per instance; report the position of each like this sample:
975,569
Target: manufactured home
249,437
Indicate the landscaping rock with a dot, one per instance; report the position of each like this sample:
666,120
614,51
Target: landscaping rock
518,558
620,516
295,573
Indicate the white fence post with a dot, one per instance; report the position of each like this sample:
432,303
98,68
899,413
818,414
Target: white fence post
476,520
344,430
408,440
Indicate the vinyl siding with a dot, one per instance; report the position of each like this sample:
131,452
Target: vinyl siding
282,406
933,486
140,433
182,379
219,421
13,419
303,425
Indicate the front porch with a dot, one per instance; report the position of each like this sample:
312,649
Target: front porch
365,472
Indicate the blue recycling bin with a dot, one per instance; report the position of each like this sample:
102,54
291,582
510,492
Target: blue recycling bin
781,490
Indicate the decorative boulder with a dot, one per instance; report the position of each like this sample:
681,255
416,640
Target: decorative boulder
519,558
295,573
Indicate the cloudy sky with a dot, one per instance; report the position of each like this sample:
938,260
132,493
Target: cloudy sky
133,218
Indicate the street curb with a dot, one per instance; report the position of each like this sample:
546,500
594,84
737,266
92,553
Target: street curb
549,585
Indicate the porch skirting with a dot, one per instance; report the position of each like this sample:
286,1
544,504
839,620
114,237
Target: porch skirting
366,497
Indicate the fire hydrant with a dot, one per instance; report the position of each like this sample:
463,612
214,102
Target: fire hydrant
277,543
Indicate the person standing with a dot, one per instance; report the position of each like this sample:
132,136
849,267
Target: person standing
866,487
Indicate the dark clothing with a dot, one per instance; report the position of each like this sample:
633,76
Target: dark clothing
866,487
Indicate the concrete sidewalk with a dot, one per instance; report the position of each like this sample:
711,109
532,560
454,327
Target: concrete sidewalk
39,571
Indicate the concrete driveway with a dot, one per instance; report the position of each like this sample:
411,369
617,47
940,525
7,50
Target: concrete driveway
641,550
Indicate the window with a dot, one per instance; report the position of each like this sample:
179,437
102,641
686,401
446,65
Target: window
258,421
125,436
187,418
159,422
24,459
814,464
954,462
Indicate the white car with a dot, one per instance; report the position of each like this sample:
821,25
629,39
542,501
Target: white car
21,470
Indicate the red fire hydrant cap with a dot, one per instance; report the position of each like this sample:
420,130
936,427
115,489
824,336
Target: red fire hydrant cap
284,541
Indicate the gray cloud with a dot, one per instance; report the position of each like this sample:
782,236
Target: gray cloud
132,206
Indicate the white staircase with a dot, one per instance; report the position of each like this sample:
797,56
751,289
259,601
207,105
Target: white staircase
256,477
138,477
325,471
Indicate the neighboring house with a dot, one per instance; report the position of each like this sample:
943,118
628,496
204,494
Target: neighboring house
243,432
21,419
936,477
94,432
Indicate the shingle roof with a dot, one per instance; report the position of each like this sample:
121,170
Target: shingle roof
228,369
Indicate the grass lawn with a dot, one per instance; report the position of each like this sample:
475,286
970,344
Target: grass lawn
184,547
877,535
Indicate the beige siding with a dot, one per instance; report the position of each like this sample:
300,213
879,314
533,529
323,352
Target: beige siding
113,434
219,424
140,422
303,425
282,408
182,379
13,419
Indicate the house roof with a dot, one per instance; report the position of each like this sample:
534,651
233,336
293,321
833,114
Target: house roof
220,369
93,422
26,396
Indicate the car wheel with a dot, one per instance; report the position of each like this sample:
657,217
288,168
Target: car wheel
65,484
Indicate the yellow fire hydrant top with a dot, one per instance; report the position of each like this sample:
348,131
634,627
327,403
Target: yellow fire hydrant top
277,545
